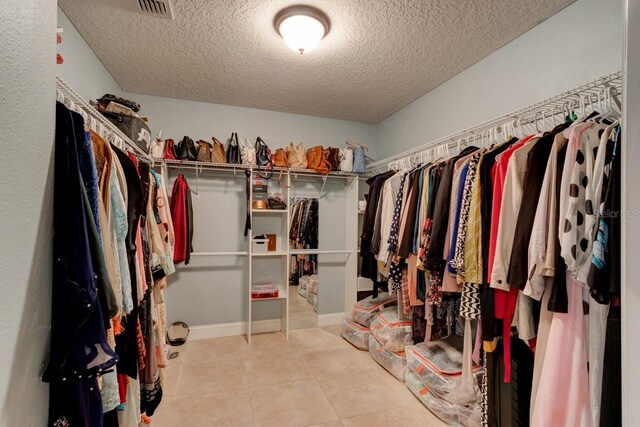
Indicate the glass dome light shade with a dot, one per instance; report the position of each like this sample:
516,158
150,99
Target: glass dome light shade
301,27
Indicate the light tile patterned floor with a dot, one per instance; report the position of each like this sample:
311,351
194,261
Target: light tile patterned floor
314,379
301,313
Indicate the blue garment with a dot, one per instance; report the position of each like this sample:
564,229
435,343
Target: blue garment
90,177
79,347
454,231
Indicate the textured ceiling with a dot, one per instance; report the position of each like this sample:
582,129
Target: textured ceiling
378,57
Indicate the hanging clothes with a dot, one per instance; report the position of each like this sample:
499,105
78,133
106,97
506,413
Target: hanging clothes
181,212
107,327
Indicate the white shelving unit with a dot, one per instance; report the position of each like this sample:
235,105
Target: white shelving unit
274,221
277,221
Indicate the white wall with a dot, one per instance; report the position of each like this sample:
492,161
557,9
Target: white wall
81,68
630,222
27,101
578,44
201,120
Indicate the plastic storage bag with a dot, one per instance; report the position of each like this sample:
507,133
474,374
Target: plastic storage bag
312,284
438,366
395,363
390,331
356,334
302,286
313,300
365,311
453,415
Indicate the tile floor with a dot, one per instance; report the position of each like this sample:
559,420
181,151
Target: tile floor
301,313
314,379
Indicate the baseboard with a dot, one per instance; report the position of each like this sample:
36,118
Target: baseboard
330,319
231,329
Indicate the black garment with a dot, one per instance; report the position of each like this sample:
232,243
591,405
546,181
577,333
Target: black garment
435,249
76,314
559,301
418,323
110,419
486,200
611,413
604,282
490,328
150,397
373,198
369,267
537,160
126,341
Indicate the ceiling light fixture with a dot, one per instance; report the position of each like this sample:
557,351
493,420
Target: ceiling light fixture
301,27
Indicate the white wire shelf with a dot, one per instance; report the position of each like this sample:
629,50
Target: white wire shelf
226,167
589,94
71,99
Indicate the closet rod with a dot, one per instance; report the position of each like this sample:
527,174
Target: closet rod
65,94
219,253
316,252
570,97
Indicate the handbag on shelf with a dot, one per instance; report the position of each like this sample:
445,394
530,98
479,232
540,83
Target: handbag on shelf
108,99
263,154
169,152
217,152
296,156
186,149
247,152
157,148
359,158
333,157
133,127
317,161
280,161
346,162
233,150
204,151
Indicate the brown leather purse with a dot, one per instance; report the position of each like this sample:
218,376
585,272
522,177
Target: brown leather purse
280,159
204,151
333,157
217,152
317,161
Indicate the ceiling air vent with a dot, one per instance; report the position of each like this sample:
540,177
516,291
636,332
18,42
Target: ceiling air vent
161,8
157,8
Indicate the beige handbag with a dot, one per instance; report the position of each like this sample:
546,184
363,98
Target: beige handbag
297,156
217,152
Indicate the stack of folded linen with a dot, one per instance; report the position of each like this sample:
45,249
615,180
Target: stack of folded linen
357,331
434,375
389,337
